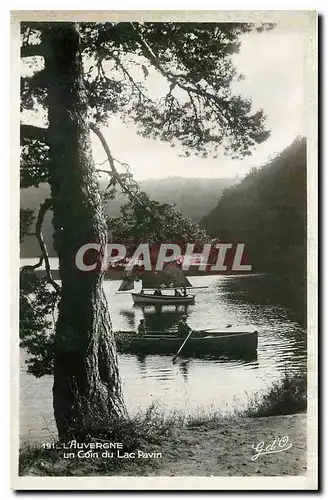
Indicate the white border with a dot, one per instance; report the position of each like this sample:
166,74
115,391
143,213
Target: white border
306,22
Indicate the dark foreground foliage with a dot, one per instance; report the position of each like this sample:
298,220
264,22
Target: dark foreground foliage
138,432
285,397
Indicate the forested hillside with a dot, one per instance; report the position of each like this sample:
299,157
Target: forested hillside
194,197
267,211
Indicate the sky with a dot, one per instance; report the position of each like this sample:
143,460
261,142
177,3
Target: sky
272,63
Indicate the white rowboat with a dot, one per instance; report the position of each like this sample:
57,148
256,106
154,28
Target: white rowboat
151,299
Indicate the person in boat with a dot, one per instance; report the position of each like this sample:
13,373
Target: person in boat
158,292
184,291
177,293
183,328
142,328
142,291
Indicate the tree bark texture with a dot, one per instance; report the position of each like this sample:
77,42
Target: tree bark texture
87,391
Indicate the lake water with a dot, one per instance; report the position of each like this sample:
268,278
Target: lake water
201,384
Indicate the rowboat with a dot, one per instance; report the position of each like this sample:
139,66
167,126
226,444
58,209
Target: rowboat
164,299
240,342
169,279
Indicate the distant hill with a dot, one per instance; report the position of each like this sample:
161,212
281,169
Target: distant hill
194,197
267,211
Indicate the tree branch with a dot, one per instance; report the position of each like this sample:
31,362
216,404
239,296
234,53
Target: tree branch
198,121
32,132
44,207
114,173
29,50
102,171
104,144
115,176
127,74
149,54
38,264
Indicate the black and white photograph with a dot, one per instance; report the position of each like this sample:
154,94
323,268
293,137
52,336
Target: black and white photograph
165,165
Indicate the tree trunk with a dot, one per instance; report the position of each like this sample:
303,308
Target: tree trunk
87,391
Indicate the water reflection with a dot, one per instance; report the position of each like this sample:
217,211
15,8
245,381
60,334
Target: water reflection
141,359
192,383
157,318
184,368
163,318
270,290
130,317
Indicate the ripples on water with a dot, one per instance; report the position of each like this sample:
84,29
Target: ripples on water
200,384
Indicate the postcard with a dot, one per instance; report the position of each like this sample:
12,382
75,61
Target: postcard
164,190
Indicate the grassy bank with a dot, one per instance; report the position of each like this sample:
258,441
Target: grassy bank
180,439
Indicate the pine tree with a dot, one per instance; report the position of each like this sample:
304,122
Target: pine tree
87,73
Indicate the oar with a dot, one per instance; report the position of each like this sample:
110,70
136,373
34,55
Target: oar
183,343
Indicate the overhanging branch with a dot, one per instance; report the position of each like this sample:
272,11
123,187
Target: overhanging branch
114,173
30,50
147,51
129,77
32,132
104,144
38,264
44,207
121,180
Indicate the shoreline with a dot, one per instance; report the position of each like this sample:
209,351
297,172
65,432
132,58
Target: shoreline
217,448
